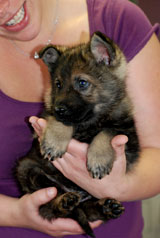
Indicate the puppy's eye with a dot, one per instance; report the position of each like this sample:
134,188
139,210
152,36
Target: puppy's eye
58,84
82,83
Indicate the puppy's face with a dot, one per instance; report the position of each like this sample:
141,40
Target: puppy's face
87,80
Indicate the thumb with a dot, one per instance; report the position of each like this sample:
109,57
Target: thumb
118,144
43,196
39,124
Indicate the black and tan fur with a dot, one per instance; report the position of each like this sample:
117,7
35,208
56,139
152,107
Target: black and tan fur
87,101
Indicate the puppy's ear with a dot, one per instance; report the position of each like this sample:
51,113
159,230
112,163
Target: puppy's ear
102,48
49,55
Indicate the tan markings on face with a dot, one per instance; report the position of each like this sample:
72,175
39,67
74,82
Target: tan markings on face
120,65
47,98
91,94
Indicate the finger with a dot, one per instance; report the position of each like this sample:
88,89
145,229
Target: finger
62,163
75,147
42,123
69,226
43,196
118,144
34,122
38,124
95,224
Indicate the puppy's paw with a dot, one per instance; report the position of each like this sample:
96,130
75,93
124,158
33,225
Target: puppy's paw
55,139
100,156
99,166
111,208
61,206
51,149
69,201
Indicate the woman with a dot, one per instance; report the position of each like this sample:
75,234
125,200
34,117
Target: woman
26,26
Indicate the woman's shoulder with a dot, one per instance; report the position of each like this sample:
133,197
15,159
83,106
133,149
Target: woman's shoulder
122,21
115,9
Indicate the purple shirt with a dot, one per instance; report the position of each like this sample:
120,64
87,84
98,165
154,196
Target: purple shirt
127,25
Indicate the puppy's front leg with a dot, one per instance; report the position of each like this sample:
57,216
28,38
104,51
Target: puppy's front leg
55,139
100,155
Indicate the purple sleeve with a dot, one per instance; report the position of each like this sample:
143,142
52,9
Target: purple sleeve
131,28
124,22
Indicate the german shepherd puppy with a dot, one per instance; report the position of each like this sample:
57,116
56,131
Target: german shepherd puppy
87,101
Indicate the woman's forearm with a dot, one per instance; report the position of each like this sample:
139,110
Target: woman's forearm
143,180
8,211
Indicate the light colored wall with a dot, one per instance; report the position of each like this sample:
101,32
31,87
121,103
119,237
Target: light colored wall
151,214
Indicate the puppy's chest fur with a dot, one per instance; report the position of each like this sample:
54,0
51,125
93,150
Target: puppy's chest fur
85,133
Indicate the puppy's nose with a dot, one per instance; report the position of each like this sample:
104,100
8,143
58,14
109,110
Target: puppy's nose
61,110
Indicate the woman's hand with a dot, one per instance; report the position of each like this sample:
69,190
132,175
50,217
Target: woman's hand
73,166
28,207
25,213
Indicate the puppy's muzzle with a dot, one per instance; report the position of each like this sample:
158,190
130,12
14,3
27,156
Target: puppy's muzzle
63,113
61,110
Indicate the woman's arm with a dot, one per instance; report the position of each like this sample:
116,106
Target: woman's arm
144,89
